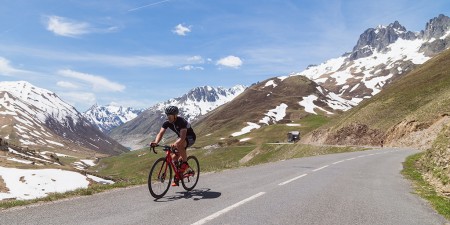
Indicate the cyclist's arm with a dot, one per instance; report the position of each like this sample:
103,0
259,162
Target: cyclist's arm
183,133
160,135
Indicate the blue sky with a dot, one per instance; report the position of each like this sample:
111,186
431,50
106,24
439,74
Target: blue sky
137,53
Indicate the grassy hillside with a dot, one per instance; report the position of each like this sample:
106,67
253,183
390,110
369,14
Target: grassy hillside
252,105
435,162
265,134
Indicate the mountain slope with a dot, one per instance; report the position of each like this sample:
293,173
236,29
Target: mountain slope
197,102
110,116
38,119
279,100
409,112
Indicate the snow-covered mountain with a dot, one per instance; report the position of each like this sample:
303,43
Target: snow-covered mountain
381,55
38,119
110,116
197,102
201,100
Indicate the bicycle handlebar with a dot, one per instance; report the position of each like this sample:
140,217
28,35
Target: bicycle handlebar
165,147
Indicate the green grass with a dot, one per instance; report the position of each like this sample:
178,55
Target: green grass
267,134
221,158
412,171
128,167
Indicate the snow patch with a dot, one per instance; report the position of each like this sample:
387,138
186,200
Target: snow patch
99,180
246,129
275,115
29,184
308,103
88,162
270,83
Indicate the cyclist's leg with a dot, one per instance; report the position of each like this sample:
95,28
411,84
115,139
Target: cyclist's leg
174,157
181,146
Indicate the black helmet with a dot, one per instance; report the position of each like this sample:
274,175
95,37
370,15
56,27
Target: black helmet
172,110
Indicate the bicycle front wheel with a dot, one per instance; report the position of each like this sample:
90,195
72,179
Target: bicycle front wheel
191,175
159,178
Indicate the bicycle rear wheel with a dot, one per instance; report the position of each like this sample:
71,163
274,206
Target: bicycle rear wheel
191,175
159,178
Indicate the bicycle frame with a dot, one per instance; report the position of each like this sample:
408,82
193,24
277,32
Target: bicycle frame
169,161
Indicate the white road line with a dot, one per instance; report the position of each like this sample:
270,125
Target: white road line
350,159
223,211
323,167
338,162
295,178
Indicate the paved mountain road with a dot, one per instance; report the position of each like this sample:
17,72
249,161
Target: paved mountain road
348,188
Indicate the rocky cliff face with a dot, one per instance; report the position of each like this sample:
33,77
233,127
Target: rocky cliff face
377,39
435,38
436,28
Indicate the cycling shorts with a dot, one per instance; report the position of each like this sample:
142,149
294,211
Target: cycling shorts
190,140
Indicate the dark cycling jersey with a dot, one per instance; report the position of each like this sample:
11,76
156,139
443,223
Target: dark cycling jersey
179,124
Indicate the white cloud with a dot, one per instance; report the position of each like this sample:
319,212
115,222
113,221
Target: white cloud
79,98
181,30
65,27
190,67
7,70
230,61
65,84
98,83
157,61
196,59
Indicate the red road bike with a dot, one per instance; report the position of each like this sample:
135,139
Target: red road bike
160,176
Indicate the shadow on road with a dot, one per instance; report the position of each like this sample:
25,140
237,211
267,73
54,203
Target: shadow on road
196,194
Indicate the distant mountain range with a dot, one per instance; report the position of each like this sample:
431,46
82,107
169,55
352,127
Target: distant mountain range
196,103
110,116
38,119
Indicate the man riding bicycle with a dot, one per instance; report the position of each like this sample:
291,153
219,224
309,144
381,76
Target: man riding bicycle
186,136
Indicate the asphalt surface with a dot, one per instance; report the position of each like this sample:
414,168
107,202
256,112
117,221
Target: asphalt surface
347,188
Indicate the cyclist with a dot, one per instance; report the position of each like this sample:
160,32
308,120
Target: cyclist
186,136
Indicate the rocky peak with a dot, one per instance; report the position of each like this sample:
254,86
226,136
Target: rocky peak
377,39
205,94
210,94
436,27
110,116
